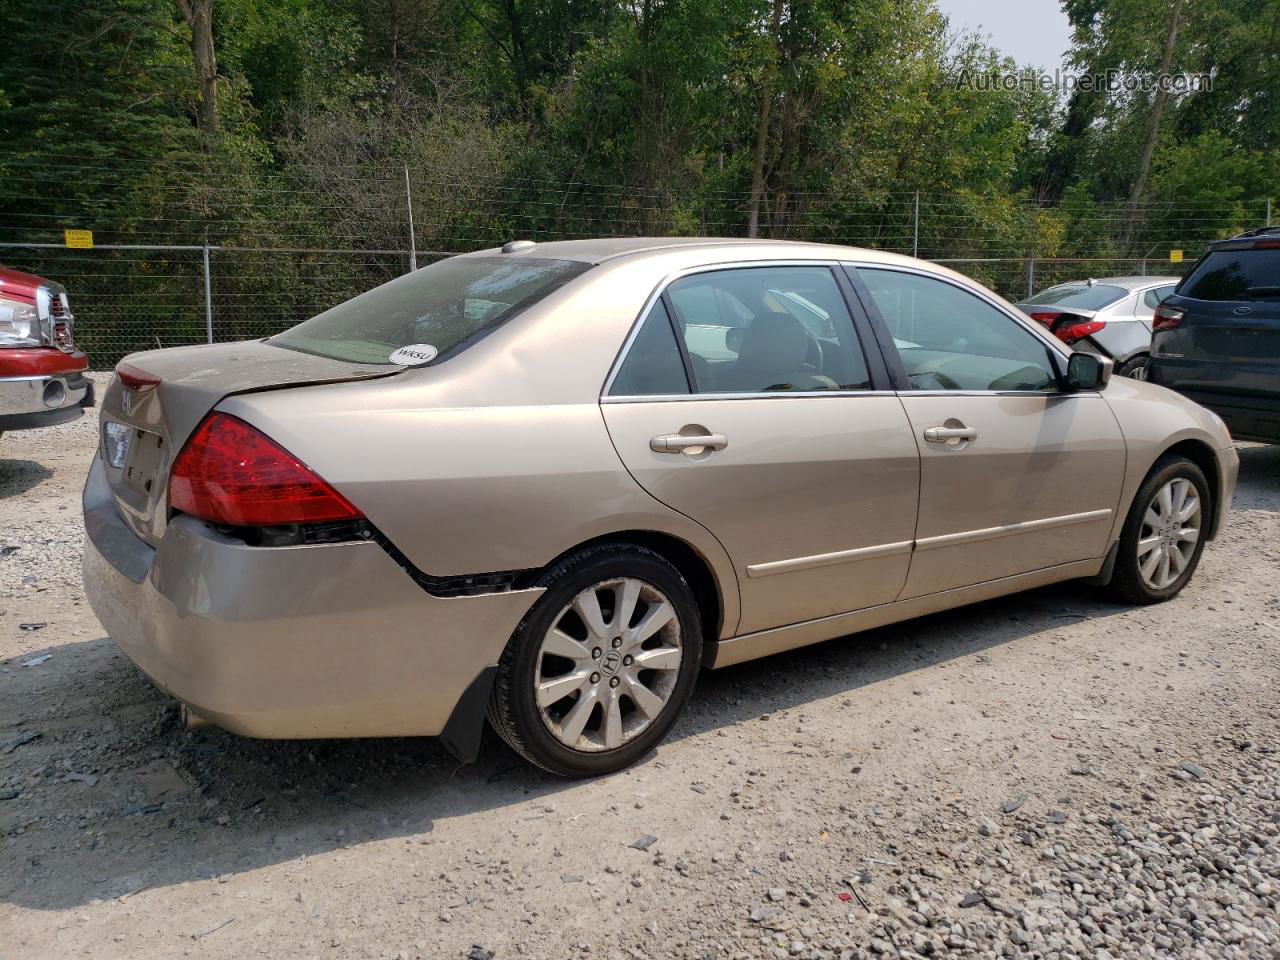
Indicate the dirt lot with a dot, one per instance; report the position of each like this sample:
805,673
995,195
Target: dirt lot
1047,775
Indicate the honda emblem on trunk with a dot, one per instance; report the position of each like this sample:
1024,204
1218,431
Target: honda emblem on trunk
1242,311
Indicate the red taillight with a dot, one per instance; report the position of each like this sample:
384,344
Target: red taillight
135,378
232,473
1071,332
1166,318
1045,318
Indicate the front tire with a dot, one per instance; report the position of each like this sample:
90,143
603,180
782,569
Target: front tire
598,671
1163,535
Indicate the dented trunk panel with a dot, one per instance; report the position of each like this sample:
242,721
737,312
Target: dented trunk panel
192,381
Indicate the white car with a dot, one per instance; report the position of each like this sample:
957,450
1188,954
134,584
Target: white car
1111,317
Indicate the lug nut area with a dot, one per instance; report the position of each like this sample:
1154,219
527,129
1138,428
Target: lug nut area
613,681
595,678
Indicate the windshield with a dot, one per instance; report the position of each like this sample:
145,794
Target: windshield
446,305
1235,275
1080,295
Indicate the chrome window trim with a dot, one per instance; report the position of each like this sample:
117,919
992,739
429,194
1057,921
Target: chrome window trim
1054,394
776,395
670,278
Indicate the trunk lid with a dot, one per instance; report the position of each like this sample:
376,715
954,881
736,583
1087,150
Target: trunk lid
144,425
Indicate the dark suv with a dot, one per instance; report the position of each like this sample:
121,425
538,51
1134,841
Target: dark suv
1216,339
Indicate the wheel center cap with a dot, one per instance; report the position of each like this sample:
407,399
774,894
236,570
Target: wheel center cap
611,662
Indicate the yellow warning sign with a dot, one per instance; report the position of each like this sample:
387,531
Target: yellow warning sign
1175,256
78,239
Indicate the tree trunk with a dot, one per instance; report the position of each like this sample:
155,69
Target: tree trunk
762,122
1153,130
199,16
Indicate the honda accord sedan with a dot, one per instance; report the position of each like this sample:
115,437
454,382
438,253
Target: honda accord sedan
547,484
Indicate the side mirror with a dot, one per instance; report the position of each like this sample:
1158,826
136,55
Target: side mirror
1088,371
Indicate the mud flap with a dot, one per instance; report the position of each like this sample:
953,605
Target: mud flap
465,727
1103,576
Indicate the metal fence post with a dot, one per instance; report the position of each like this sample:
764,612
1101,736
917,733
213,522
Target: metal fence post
915,236
413,249
208,298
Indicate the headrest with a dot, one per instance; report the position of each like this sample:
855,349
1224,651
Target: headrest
774,342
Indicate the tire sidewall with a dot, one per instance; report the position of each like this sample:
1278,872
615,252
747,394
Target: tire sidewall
1133,365
1165,471
635,563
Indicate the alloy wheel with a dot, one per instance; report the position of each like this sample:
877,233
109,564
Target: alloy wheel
608,665
1170,531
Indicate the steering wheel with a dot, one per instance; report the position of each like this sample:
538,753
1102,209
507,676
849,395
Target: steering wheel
931,380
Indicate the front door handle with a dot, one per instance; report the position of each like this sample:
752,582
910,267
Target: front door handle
950,434
691,443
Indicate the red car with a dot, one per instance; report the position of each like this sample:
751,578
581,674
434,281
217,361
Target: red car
42,374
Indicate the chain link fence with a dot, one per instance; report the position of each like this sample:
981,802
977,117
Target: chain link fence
312,239
133,298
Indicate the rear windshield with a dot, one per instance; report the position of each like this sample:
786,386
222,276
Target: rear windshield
1080,295
1235,275
446,305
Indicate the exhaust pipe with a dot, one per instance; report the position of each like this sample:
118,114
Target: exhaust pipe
192,720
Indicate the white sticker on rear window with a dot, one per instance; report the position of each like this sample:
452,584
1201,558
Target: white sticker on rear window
414,355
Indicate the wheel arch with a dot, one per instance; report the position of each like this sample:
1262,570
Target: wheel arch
1123,358
1202,455
693,566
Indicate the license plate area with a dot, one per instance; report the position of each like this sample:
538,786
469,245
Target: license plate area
142,462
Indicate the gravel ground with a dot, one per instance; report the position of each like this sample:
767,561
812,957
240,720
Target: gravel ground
1048,775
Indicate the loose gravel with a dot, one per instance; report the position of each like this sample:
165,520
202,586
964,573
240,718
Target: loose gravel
1048,775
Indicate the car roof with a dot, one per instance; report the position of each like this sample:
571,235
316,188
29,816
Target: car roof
1127,283
602,249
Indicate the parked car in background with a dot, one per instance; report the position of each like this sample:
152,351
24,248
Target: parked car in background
1111,316
42,374
641,458
1217,338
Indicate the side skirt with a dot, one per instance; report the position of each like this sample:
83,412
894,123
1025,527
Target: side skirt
765,642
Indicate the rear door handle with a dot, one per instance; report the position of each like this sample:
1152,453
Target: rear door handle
681,443
948,434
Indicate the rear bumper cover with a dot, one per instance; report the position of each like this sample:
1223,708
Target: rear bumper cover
291,642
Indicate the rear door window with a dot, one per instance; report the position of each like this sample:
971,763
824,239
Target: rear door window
1252,274
653,366
768,330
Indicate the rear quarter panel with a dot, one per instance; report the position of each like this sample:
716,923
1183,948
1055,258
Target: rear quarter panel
497,459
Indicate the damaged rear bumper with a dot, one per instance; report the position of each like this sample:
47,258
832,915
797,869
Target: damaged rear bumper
292,642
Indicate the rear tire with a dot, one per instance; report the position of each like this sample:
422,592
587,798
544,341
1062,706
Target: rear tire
1135,368
602,665
1163,535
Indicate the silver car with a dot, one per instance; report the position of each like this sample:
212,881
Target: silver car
1112,317
549,483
